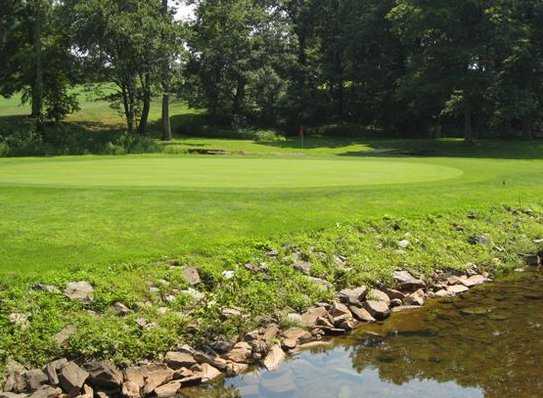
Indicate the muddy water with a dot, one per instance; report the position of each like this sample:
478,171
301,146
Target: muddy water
489,343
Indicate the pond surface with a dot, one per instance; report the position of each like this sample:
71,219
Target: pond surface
489,343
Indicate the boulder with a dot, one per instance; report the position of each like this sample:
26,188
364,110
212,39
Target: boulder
408,282
395,303
295,336
270,333
394,294
51,370
155,376
168,390
403,308
417,298
234,369
12,395
104,375
36,378
88,392
353,296
47,392
457,289
131,390
377,309
474,280
177,360
80,291
72,378
302,266
339,309
274,358
309,318
120,309
134,375
241,353
191,275
378,295
361,314
208,373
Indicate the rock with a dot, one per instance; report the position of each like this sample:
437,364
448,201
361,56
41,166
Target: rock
88,392
353,296
270,333
235,369
378,295
442,293
135,375
62,337
228,274
395,303
378,309
46,288
309,318
131,390
154,290
362,314
256,268
12,395
274,358
72,378
80,291
191,275
231,313
417,298
155,376
15,379
408,282
215,361
394,294
36,378
208,373
104,375
51,370
454,280
47,392
302,266
295,336
403,308
101,394
168,390
457,289
403,244
338,309
479,240
177,360
145,324
240,353
194,294
474,280
320,282
121,309
19,320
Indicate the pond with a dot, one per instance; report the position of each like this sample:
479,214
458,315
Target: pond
487,343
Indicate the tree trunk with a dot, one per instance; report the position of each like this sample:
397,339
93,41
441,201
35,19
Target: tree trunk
146,105
468,128
166,125
238,97
37,86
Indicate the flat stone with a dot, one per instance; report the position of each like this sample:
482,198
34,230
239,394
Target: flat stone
72,378
454,280
15,377
4,394
474,280
404,244
394,294
134,375
191,275
378,309
208,373
362,314
80,291
309,318
235,369
46,392
270,333
131,390
403,308
353,296
457,289
378,295
177,360
442,293
241,353
274,358
231,313
62,337
105,375
417,298
87,392
36,378
168,390
408,282
156,377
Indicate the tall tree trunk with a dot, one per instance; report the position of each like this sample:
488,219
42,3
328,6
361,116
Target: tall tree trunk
166,125
238,97
146,104
468,127
37,86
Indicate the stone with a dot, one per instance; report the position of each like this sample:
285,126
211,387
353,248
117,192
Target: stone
320,282
168,390
62,337
240,353
442,293
378,309
403,308
15,377
80,291
131,390
362,314
208,373
309,318
270,333
202,357
88,392
395,303
474,280
353,296
36,378
454,280
378,295
302,266
177,360
155,377
408,282
19,320
228,275
274,358
457,289
231,313
191,275
403,244
194,294
134,375
101,394
235,369
51,370
47,392
72,378
394,294
479,240
121,309
4,394
417,298
105,376
339,309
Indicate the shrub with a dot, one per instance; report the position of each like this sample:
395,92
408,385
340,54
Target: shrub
268,136
4,149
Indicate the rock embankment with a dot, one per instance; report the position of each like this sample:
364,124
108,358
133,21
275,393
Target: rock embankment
267,346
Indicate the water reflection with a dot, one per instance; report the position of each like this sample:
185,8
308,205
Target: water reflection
488,344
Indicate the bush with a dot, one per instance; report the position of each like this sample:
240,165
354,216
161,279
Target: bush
269,136
4,149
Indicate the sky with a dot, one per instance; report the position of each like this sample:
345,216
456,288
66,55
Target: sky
183,11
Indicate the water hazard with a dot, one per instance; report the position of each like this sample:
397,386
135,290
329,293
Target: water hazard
489,343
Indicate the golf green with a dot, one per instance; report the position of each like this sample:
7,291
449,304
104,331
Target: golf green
200,172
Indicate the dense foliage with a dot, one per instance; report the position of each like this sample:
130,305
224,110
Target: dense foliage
411,67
